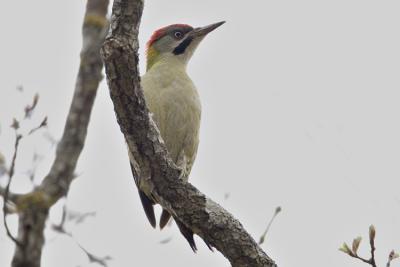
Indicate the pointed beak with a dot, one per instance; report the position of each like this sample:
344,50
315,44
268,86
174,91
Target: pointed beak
203,31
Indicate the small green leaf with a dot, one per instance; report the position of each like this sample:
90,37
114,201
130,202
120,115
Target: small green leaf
356,244
372,233
345,248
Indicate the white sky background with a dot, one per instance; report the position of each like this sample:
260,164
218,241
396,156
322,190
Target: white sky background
300,109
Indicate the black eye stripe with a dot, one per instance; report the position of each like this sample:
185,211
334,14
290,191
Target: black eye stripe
180,49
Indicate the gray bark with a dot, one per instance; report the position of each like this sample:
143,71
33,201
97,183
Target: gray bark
33,207
152,163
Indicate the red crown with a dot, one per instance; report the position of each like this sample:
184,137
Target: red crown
162,31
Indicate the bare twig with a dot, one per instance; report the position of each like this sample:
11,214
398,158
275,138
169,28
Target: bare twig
372,245
166,240
95,259
91,257
7,189
60,228
262,238
392,256
41,125
30,108
365,260
79,217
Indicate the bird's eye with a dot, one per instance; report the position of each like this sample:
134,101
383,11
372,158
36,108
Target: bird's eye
178,34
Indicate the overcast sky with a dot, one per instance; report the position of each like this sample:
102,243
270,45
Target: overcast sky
300,109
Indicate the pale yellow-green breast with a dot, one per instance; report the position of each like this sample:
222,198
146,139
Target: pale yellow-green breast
174,102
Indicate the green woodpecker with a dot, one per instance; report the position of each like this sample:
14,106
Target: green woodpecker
174,103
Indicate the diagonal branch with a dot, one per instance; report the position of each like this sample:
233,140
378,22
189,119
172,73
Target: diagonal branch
262,238
95,25
7,189
201,214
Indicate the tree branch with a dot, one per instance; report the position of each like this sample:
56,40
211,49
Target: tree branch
202,215
33,207
95,24
7,189
262,238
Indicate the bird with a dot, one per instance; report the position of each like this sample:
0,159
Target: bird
174,104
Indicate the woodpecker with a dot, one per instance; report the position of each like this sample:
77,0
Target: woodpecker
174,103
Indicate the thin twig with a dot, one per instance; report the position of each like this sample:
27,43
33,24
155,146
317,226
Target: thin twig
372,244
364,260
60,227
262,238
93,258
372,260
392,256
41,125
7,189
166,240
30,108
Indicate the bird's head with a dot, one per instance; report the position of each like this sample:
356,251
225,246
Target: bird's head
176,41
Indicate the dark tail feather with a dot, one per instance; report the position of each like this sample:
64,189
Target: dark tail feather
188,234
165,216
148,208
209,245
